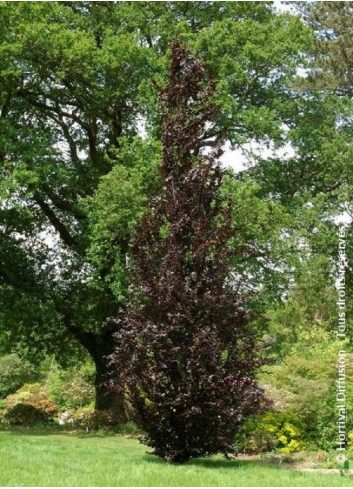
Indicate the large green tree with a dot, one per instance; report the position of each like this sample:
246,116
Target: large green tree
76,171
330,78
314,183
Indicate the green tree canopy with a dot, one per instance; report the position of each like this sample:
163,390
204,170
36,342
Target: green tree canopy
75,93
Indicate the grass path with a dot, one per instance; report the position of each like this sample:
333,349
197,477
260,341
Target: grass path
40,459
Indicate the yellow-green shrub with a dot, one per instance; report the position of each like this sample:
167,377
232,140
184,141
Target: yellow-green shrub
274,430
350,441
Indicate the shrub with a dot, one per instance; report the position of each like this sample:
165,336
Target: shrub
70,389
2,411
29,405
93,419
14,373
350,441
90,419
280,431
28,392
185,352
305,384
66,418
77,392
25,414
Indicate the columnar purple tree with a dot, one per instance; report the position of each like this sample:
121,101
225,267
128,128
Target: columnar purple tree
186,353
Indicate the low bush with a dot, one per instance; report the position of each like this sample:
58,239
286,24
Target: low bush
272,431
26,415
93,419
304,384
90,419
29,406
350,441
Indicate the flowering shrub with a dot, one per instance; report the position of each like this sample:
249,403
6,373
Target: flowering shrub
66,418
93,419
70,389
89,419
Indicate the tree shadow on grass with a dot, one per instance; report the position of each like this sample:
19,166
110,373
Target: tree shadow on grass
208,463
216,464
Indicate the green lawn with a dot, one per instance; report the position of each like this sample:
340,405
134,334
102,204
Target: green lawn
40,459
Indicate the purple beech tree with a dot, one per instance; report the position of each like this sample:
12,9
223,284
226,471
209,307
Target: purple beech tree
186,353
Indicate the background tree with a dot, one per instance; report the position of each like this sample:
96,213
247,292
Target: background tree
14,372
330,74
187,354
74,86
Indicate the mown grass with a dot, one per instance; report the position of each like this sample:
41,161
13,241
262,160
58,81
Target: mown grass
44,459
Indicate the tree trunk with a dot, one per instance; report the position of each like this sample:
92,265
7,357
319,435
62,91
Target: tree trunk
100,346
106,399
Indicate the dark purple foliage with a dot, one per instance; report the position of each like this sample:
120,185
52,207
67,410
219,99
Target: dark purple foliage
185,352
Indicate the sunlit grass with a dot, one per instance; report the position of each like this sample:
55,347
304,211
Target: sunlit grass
43,459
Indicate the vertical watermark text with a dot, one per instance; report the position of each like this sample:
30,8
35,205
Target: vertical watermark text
341,335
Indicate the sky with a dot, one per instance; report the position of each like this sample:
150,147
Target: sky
239,160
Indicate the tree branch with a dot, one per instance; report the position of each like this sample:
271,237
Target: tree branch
64,205
58,225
